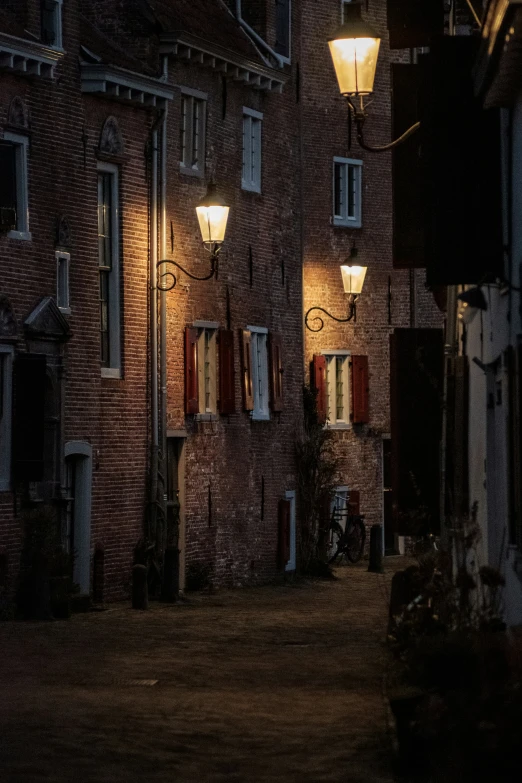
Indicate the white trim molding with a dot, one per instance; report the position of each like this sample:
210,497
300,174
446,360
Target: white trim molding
190,48
28,58
112,81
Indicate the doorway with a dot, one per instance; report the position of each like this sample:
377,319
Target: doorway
390,539
175,501
78,479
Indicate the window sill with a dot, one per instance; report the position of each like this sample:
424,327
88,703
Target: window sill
25,236
339,426
199,173
258,416
206,417
250,188
341,223
111,372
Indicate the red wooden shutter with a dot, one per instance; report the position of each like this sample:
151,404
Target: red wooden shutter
283,548
245,339
191,370
360,406
30,378
319,382
227,400
276,371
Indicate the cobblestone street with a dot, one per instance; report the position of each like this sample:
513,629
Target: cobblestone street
274,683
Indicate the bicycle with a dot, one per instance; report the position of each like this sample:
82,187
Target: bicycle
349,539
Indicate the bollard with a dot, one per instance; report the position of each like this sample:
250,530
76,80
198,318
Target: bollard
375,564
140,592
170,586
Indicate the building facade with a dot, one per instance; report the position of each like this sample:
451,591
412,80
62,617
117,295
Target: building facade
153,409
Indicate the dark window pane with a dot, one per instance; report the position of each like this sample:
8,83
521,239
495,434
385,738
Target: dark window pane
49,21
104,317
282,46
7,175
183,130
196,109
351,191
105,219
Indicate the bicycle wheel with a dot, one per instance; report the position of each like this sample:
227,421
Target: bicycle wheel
354,544
336,546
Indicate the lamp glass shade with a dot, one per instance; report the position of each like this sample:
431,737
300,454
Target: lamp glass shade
355,61
212,223
466,313
353,278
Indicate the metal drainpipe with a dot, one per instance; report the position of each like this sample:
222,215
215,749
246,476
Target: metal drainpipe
152,529
163,302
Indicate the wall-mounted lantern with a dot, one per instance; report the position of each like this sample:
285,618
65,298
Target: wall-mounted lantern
355,50
212,213
469,303
353,281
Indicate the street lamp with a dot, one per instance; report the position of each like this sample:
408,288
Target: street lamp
353,280
354,50
469,303
212,213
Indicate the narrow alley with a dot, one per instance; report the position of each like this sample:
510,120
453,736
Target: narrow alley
274,683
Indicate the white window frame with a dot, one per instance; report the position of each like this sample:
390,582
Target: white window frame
114,368
21,144
63,261
193,95
344,219
251,168
259,365
207,412
58,44
6,356
331,364
343,3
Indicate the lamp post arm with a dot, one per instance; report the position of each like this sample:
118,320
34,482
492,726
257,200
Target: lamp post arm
173,279
384,147
359,116
351,312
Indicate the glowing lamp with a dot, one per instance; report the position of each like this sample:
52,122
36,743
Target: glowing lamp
212,214
354,50
353,278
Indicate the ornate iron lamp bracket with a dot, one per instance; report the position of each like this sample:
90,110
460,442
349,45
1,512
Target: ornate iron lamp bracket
352,298
168,275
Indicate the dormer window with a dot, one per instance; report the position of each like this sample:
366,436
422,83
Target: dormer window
282,27
51,23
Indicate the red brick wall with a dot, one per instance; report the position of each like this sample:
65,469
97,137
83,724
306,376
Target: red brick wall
234,454
112,415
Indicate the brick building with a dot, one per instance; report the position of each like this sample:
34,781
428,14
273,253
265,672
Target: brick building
351,361
173,415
